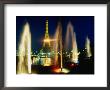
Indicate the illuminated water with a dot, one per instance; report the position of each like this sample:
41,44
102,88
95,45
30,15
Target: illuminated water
87,46
24,63
58,50
58,44
74,49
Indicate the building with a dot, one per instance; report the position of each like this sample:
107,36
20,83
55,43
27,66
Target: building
46,52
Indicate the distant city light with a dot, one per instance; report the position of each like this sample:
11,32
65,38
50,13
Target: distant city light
48,53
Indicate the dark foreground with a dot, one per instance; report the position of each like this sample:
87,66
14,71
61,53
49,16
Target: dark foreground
85,66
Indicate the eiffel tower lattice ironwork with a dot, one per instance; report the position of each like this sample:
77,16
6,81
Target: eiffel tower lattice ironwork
46,39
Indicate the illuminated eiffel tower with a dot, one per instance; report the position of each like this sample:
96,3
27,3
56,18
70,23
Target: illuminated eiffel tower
46,49
46,42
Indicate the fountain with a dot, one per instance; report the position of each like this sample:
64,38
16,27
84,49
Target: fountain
58,44
74,48
87,46
24,63
58,50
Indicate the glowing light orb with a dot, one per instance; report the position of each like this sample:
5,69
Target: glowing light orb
46,40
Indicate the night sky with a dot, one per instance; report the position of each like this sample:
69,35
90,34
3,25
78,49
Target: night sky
83,27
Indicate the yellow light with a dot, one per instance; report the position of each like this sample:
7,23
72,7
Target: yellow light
64,70
48,40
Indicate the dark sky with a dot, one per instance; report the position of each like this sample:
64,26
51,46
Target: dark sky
83,27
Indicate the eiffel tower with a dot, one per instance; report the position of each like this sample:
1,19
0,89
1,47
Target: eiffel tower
46,49
46,42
